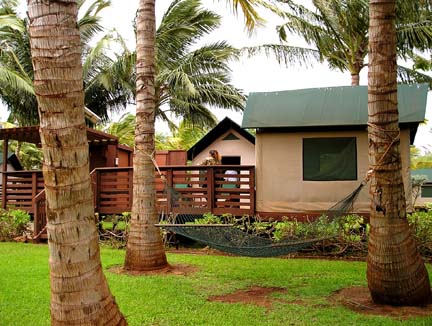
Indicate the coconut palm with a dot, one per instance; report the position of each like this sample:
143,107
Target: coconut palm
395,271
189,79
182,137
337,32
124,129
145,249
16,71
79,291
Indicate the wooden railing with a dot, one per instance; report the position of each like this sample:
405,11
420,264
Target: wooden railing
19,188
179,189
186,189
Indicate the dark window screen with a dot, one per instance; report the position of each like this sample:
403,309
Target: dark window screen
426,191
231,160
329,159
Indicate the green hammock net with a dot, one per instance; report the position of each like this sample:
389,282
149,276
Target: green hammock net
229,238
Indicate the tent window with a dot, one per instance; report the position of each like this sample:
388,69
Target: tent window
231,160
426,191
329,159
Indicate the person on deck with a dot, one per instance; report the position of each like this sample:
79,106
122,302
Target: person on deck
213,159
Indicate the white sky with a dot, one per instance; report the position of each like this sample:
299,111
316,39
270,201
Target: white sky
252,75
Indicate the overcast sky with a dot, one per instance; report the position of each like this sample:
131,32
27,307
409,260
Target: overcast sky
252,75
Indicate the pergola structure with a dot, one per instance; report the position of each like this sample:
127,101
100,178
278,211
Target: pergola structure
31,135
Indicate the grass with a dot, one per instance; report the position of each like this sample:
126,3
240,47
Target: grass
182,300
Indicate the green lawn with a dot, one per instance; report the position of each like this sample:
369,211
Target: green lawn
182,300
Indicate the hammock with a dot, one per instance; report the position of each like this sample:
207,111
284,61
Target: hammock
228,238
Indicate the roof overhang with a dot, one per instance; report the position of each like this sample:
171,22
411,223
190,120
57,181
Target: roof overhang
330,106
31,135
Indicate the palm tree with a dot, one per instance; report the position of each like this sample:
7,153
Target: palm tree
79,291
395,271
145,248
182,137
16,71
189,79
337,32
124,129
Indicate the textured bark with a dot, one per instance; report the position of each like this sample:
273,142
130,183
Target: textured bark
355,79
395,271
79,291
145,249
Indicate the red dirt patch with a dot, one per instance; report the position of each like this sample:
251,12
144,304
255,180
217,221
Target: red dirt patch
358,298
178,269
255,295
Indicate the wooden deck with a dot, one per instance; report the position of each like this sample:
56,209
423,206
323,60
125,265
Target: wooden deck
186,190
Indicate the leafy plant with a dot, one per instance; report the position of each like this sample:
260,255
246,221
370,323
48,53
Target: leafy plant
13,223
421,225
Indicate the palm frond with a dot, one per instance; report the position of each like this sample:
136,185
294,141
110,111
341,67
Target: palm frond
410,76
251,17
16,81
284,54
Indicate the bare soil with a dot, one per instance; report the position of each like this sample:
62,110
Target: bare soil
177,269
259,296
355,298
359,299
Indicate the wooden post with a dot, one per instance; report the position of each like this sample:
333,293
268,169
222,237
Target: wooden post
130,179
252,190
34,190
4,169
97,192
210,188
4,189
169,185
5,154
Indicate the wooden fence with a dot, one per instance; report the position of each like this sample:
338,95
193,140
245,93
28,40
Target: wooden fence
179,190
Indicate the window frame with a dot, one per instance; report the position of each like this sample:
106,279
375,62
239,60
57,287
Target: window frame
348,138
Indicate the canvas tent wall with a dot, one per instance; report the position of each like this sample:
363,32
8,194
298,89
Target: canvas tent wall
286,121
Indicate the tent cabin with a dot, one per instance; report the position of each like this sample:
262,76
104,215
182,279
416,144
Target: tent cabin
426,188
235,145
312,146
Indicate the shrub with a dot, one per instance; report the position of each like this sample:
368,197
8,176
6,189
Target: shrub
13,223
421,225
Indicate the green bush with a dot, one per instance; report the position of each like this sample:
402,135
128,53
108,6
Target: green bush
421,225
13,223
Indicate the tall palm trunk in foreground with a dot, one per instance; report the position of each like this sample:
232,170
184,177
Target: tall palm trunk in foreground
79,290
145,249
395,271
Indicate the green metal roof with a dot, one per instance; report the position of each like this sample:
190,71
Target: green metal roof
330,106
426,172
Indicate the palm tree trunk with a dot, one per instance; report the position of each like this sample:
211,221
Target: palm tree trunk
79,291
395,271
145,249
355,79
